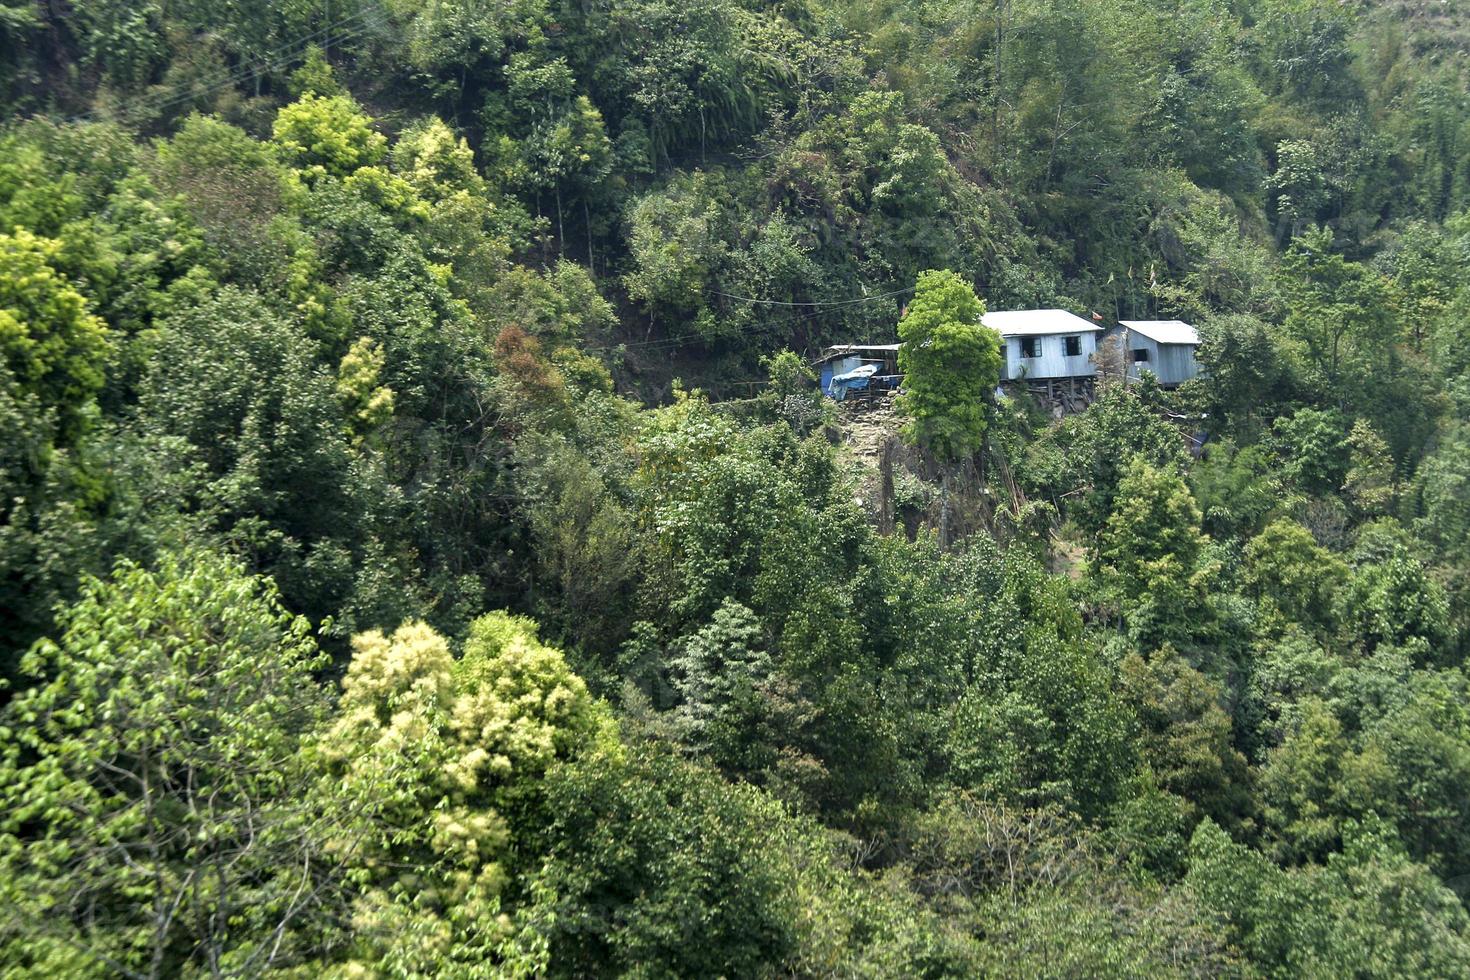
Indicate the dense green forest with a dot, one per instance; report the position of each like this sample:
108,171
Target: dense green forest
424,550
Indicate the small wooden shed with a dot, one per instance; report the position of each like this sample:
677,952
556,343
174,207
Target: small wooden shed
1164,348
1043,345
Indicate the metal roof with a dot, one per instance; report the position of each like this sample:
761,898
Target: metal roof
847,350
1026,323
1164,331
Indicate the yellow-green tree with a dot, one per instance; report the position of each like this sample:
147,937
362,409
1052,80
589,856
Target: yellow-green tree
440,761
49,339
328,132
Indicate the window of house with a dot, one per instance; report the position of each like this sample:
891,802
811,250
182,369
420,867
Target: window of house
1030,346
1072,346
1140,354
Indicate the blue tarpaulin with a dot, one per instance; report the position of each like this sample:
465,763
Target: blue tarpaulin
855,380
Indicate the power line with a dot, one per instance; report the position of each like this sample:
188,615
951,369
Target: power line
251,69
814,309
647,343
814,304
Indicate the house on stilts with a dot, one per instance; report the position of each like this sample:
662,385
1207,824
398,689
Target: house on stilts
1049,353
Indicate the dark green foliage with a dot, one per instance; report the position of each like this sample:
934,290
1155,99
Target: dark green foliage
1369,911
45,526
660,866
240,388
1083,460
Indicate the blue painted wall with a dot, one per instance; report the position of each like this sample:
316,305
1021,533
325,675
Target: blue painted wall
840,366
1172,364
1050,360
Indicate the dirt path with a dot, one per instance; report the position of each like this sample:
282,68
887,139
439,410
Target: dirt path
866,426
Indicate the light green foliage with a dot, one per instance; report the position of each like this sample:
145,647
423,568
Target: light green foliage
951,364
436,162
1369,483
369,403
1152,558
442,760
571,149
315,75
674,240
52,344
155,770
1037,893
1082,461
1299,185
1220,273
35,196
388,193
793,392
1382,738
1312,448
327,132
717,673
1301,783
1294,579
1444,487
1337,312
560,306
1390,597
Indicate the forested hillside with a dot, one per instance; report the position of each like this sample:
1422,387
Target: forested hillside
425,552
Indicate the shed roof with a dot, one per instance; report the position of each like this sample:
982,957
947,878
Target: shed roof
847,350
1025,323
1164,331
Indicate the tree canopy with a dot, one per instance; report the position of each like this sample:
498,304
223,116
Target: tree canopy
426,550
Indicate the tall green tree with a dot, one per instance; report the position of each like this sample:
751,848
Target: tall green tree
951,365
1153,561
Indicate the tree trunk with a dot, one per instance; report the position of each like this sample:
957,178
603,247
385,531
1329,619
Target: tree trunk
944,506
561,232
885,486
587,223
995,95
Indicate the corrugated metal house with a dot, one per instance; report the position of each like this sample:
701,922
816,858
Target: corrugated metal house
1044,345
1165,348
